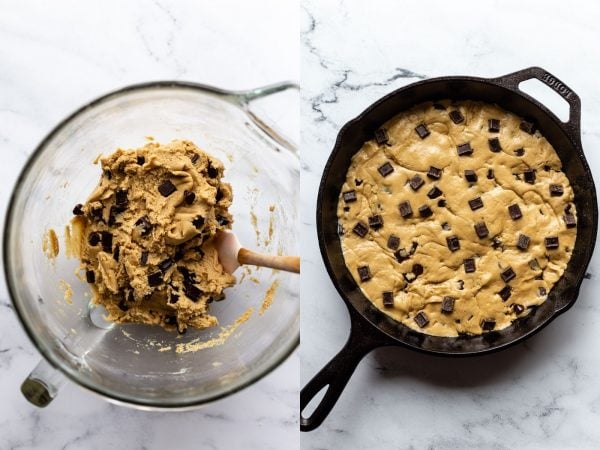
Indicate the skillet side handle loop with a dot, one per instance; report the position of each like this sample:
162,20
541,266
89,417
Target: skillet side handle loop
512,80
334,377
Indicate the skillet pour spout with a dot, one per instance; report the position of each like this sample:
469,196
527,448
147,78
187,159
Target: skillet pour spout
370,328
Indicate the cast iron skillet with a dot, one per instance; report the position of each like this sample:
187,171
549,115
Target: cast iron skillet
371,328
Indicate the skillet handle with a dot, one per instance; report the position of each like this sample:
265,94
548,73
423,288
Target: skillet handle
512,80
334,377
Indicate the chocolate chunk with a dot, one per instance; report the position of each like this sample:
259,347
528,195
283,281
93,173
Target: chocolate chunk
469,264
189,197
448,304
144,258
434,192
570,220
140,160
166,188
94,239
222,220
188,275
529,176
551,242
542,291
195,157
364,273
460,285
211,170
121,197
439,107
90,276
198,222
515,212
508,275
173,297
422,131
417,269
116,253
517,308
464,149
456,116
488,324
527,127
453,243
425,211
375,222
144,224
497,243
520,152
446,226
490,174
421,319
191,291
381,136
170,320
78,210
108,174
155,279
219,195
97,214
165,264
388,299
493,125
416,182
360,229
475,203
401,255
556,190
523,242
179,253
107,239
481,229
393,242
358,182
385,169
434,173
349,196
505,293
494,144
470,176
405,209
441,203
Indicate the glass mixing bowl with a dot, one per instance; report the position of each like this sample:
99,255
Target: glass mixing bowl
137,364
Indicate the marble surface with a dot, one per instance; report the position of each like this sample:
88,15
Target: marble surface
543,394
59,55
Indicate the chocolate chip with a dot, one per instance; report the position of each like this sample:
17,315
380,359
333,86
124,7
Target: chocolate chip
123,306
108,174
481,229
364,273
456,116
117,253
375,222
542,291
527,127
493,125
490,174
520,151
218,196
413,248
448,304
570,220
212,171
434,173
494,144
401,255
198,222
534,264
388,299
107,239
446,226
189,197
170,320
405,209
191,291
179,253
194,158
529,176
349,196
515,212
517,308
121,197
90,276
551,242
475,203
417,269
385,169
144,258
165,264
497,243
505,293
94,239
358,182
422,131
393,242
523,242
488,324
97,214
439,106
556,190
173,297
441,203
469,264
416,182
464,149
421,319
381,136
140,160
360,229
144,224
78,210
547,167
222,220
166,188
434,192
470,176
155,279
460,284
508,275
453,243
425,211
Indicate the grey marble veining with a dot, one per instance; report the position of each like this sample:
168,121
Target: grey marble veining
542,394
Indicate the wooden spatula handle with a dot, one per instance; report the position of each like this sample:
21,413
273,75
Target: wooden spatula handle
287,263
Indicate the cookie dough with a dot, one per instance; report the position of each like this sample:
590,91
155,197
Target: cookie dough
144,236
456,218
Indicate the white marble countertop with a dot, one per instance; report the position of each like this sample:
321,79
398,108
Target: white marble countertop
58,55
543,394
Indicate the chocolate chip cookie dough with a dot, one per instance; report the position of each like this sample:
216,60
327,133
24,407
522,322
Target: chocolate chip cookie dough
144,236
456,218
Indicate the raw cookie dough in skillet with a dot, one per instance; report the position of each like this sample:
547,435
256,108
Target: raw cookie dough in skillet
144,236
456,218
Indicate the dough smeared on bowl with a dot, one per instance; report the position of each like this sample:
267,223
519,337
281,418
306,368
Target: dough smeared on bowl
144,236
456,218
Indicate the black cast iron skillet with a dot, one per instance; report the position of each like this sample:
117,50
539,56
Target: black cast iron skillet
370,328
